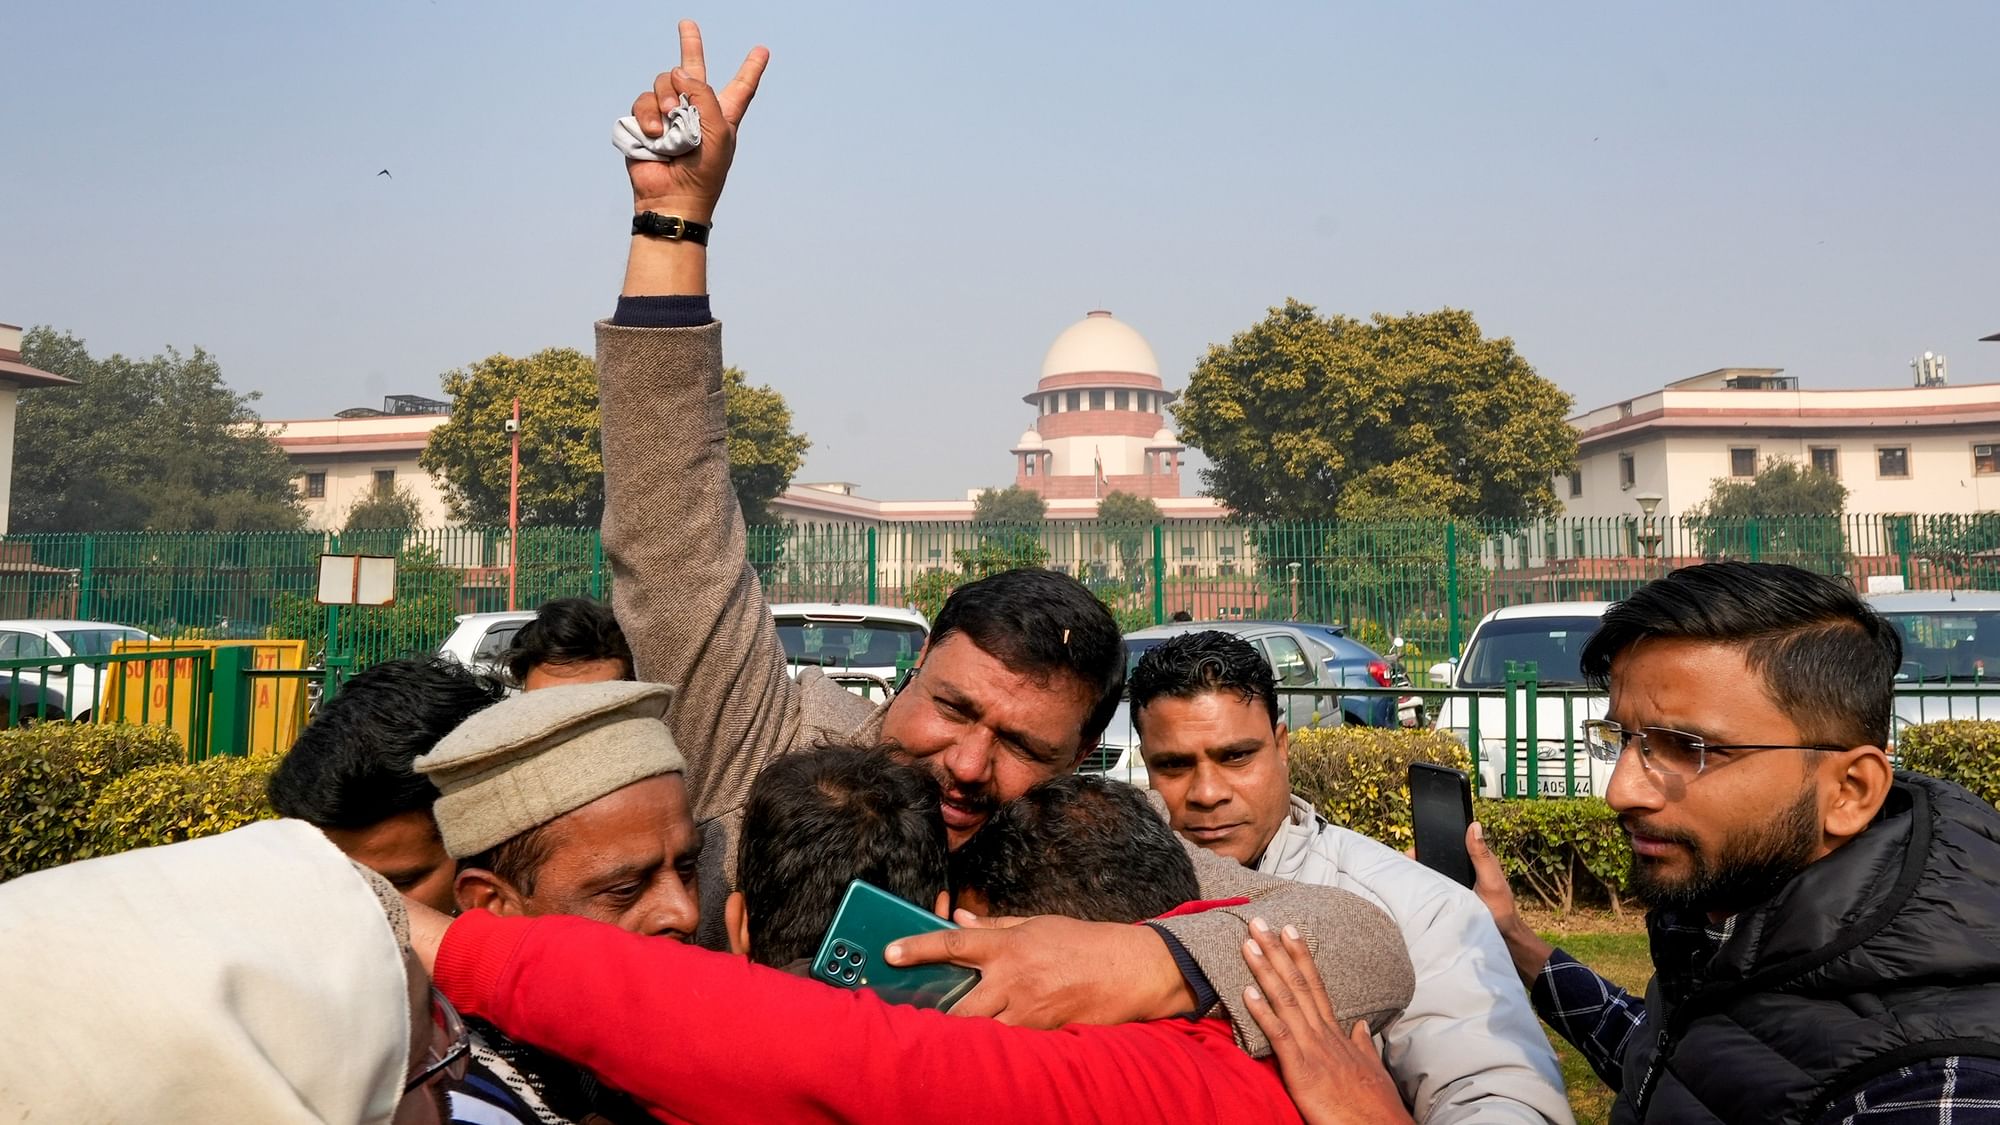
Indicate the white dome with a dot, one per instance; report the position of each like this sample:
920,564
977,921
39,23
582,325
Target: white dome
1165,437
1029,440
1100,342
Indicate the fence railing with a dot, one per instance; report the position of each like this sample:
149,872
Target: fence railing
1428,582
217,699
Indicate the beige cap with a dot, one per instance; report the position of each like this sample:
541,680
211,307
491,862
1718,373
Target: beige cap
527,760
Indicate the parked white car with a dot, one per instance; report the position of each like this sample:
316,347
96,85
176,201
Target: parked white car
478,640
1551,636
72,688
1951,654
864,647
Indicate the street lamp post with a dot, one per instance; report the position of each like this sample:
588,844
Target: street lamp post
1294,568
1649,534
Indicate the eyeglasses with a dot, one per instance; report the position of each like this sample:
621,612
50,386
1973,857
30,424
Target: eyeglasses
451,1045
1665,750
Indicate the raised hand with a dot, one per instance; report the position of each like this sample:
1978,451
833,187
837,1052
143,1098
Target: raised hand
1334,1078
1526,947
688,186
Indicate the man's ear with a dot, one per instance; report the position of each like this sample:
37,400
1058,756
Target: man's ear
736,919
1284,740
1860,779
479,889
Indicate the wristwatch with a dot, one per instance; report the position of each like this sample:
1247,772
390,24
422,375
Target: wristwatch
655,225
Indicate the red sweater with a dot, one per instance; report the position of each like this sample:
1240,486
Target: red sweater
704,1037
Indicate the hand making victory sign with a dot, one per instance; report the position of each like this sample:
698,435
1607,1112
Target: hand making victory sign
686,186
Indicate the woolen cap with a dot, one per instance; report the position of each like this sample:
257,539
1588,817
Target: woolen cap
527,760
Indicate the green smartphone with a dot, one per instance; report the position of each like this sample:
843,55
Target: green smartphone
851,954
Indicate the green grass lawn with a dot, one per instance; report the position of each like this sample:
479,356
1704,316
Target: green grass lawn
1617,949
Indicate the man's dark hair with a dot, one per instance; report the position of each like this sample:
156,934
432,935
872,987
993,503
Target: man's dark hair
1042,624
566,631
1828,661
819,819
1078,845
1181,615
1195,664
350,767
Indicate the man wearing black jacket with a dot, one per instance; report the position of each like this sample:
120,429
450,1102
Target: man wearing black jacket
1825,934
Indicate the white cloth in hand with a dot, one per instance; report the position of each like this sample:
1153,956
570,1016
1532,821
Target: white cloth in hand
682,135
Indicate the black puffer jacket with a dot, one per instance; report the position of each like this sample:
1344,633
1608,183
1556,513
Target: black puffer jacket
1884,953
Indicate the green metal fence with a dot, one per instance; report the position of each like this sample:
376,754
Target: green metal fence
1427,582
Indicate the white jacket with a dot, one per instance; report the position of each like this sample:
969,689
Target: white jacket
1468,1048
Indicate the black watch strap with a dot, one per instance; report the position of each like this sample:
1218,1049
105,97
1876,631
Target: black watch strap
655,225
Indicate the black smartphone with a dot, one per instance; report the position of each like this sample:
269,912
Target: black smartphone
1440,812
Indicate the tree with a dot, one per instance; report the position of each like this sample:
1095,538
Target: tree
1787,512
394,508
1301,410
562,468
159,444
764,453
1009,507
1126,520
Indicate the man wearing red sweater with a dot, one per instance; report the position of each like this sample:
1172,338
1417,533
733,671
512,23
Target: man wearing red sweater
761,1044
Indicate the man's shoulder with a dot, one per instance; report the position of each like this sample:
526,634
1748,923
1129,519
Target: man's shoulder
1395,882
829,712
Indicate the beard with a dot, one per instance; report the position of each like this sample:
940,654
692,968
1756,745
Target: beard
1745,870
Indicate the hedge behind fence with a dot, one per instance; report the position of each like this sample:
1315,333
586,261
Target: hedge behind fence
50,776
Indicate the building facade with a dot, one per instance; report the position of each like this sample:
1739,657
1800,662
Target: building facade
15,377
342,461
1918,450
1100,423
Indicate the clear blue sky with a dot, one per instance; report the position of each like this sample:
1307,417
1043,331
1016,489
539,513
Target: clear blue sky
927,194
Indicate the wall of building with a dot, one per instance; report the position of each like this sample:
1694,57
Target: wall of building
1943,477
350,451
9,404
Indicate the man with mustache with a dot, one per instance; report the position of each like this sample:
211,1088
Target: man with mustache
1021,674
1825,934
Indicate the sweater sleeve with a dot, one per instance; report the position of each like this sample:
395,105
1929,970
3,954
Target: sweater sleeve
704,1037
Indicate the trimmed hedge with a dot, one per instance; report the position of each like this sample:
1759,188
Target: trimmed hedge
166,804
1358,777
1964,751
1561,852
50,776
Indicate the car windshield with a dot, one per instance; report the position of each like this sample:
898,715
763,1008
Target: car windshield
1939,647
1136,649
1553,644
849,643
97,642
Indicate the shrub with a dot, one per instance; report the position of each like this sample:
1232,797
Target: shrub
1560,849
165,804
1358,777
51,774
1962,751
1559,852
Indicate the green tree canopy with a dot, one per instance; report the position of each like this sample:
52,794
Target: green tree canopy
395,508
562,467
160,444
1305,417
1012,506
1126,520
1123,509
1788,512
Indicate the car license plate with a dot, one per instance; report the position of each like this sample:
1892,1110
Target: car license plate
1559,786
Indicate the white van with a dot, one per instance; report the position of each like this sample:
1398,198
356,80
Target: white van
1551,636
